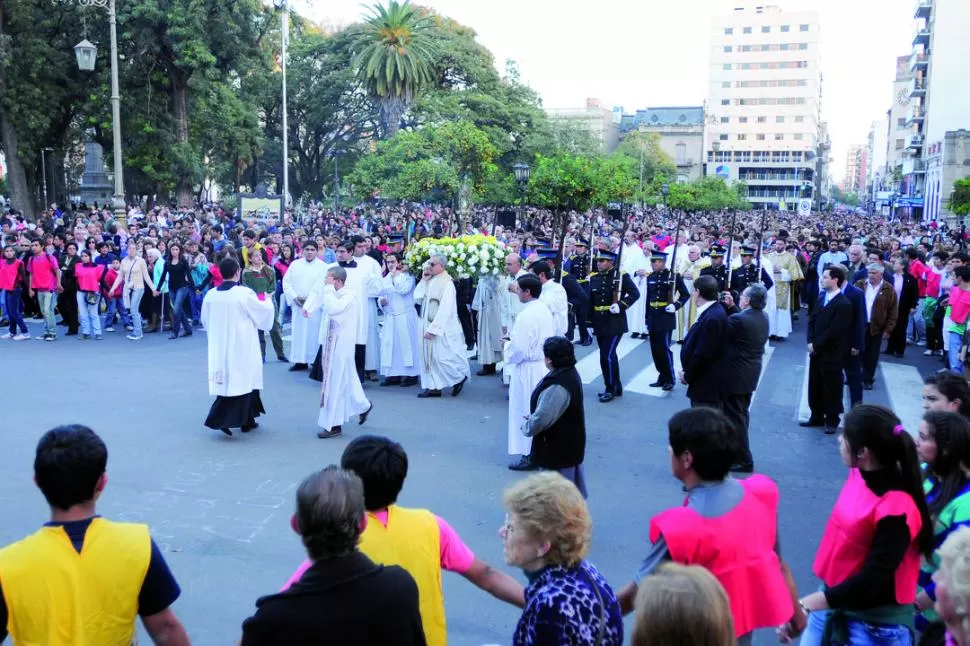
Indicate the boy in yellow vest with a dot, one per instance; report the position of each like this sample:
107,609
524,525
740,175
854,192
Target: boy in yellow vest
416,539
83,579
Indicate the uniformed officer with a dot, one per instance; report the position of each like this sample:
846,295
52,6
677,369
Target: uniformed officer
575,277
661,316
717,269
608,318
578,263
747,273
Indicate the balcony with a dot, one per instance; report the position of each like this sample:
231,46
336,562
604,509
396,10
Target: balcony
919,62
685,163
923,9
916,117
918,89
914,166
916,142
922,35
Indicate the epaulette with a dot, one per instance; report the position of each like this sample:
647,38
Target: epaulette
592,273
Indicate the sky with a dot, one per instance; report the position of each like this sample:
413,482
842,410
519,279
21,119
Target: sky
651,53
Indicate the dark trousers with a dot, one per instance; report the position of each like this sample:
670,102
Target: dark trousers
897,340
15,312
852,367
701,403
275,337
934,332
360,351
735,408
467,328
67,306
870,357
825,389
577,318
663,358
609,362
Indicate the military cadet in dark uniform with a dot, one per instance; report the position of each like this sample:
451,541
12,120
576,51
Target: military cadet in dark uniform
578,263
576,270
747,273
608,319
717,269
662,317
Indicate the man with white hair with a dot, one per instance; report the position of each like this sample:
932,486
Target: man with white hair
690,270
856,264
443,354
881,315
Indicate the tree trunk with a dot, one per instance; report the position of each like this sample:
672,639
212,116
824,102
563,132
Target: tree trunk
20,195
180,111
392,110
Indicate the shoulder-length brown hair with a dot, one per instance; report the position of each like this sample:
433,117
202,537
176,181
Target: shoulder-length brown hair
682,604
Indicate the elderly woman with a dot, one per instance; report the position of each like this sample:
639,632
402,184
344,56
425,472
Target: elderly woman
683,604
547,534
953,587
557,419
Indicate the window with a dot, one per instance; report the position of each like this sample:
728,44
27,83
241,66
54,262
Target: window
742,137
728,31
900,144
799,119
785,29
725,84
681,153
747,30
901,122
766,30
760,137
798,136
745,48
725,119
779,137
802,27
779,119
725,101
762,119
783,47
723,137
727,49
742,119
802,45
727,66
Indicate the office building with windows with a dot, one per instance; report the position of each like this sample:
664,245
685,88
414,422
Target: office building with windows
681,133
764,103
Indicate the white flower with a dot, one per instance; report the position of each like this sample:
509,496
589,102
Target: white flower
484,254
473,260
495,271
461,246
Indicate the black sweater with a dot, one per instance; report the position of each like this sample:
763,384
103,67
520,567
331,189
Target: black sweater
179,275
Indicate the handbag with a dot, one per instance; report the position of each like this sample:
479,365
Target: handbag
91,298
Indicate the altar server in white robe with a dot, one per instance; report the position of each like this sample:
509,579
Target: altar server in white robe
488,304
372,274
400,341
304,274
553,294
510,304
232,316
532,327
634,262
341,395
444,361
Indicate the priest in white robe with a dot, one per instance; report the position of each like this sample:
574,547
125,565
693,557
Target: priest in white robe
488,304
553,294
371,276
510,304
400,341
533,325
444,361
634,262
304,274
341,395
232,316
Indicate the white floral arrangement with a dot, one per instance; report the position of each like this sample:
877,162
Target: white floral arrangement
468,256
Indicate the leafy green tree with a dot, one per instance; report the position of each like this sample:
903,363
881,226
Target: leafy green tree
960,202
705,194
394,58
849,198
656,165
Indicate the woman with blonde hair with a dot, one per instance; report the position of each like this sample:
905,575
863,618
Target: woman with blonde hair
953,587
682,604
547,534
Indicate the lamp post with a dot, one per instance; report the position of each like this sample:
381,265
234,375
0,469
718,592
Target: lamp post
43,164
284,40
86,52
665,191
522,172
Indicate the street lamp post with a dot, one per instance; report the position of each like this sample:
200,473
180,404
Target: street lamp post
522,172
665,191
86,53
43,164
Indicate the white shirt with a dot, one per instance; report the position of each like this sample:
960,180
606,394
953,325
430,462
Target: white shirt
703,308
871,293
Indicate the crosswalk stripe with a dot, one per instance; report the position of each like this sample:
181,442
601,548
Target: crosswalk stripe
905,388
769,352
642,380
803,412
589,366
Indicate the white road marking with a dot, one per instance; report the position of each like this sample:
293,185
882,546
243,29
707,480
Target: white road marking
803,412
642,380
769,352
589,366
905,388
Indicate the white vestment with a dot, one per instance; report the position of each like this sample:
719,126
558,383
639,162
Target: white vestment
371,270
554,296
443,357
341,395
488,304
533,326
231,318
632,261
510,309
400,341
298,282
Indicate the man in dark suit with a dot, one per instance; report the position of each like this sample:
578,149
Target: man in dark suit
857,342
747,334
701,353
365,603
829,336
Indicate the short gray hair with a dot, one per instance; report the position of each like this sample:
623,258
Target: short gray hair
876,266
757,296
440,259
338,273
329,510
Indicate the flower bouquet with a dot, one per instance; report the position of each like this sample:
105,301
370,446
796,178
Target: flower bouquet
468,256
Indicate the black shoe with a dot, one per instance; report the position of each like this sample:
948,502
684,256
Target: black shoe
424,394
469,346
187,332
409,381
336,431
457,388
363,416
175,335
867,385
831,430
226,431
618,392
391,381
71,333
635,335
250,427
667,387
898,355
586,343
606,397
296,367
657,384
282,359
747,467
523,464
811,423
487,369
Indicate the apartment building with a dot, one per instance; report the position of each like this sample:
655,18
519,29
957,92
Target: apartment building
856,169
681,132
596,119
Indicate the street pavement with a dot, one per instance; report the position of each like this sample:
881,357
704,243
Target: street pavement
219,507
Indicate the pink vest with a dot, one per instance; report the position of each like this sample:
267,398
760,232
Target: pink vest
42,272
849,532
88,278
739,549
8,273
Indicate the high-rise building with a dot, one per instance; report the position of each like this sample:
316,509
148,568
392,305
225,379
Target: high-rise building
876,148
900,123
764,103
594,118
856,169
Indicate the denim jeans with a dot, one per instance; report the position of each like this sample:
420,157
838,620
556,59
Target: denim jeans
196,305
134,303
46,301
110,307
860,633
917,326
15,310
179,317
953,352
89,315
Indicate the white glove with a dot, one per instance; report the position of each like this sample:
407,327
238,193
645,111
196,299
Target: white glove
615,308
670,309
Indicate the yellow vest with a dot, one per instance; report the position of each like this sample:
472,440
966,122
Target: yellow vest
56,596
413,541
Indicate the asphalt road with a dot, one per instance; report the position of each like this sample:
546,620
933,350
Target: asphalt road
219,507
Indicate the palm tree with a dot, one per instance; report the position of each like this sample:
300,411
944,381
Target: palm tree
394,58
